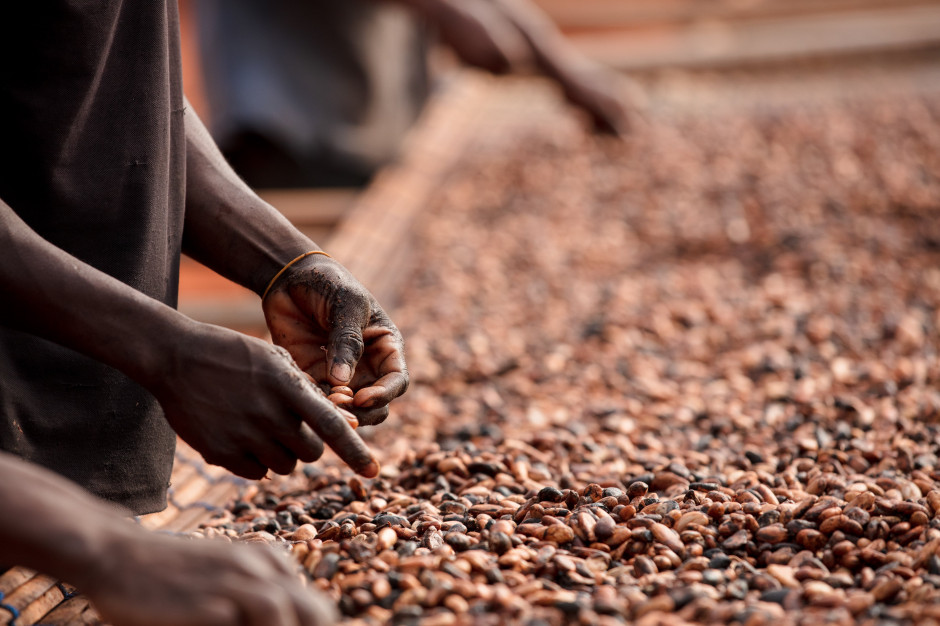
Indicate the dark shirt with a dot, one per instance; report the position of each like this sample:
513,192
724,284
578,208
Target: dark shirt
92,156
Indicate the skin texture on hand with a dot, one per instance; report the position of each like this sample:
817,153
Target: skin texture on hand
338,334
138,578
245,405
250,407
157,580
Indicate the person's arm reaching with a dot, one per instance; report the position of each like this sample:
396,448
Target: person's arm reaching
138,578
586,84
505,35
331,325
241,402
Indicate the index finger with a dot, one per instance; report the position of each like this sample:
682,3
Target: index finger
382,391
327,422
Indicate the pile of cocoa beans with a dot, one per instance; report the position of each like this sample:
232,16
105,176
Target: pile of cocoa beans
690,377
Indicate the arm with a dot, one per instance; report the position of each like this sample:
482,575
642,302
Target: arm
239,401
505,35
228,227
54,295
139,578
331,325
478,33
585,84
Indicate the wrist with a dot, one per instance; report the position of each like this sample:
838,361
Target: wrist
105,555
51,525
274,255
147,357
292,265
180,348
228,227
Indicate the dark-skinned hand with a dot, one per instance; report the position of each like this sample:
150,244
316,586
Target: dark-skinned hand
245,405
147,579
338,334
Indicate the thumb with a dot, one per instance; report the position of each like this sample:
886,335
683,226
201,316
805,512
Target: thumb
345,344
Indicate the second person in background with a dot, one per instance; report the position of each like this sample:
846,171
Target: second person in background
308,93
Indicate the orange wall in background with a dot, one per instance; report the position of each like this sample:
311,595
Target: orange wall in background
192,71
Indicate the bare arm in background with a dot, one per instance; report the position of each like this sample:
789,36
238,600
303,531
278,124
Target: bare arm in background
507,35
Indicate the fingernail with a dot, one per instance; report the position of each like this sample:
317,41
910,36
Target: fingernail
371,470
341,371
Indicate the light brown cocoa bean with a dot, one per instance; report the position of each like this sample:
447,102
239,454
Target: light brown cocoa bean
772,534
643,565
667,536
342,390
559,534
811,539
340,399
691,517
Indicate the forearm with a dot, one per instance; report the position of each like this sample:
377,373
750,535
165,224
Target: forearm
53,526
134,576
51,294
520,31
228,227
551,51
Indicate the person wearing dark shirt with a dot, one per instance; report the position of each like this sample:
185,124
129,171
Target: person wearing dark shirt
106,176
307,93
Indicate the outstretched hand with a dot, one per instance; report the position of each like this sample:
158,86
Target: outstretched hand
338,334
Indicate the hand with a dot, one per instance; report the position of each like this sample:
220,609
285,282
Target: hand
146,579
245,405
338,334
